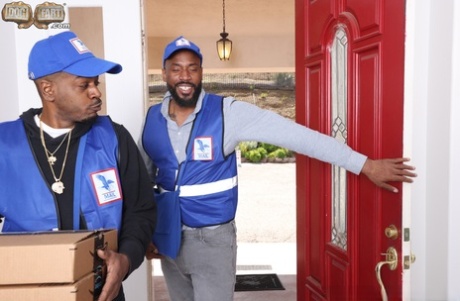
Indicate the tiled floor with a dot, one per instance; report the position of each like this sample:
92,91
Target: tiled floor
253,258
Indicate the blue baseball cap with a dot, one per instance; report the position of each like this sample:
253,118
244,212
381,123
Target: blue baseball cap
66,52
181,43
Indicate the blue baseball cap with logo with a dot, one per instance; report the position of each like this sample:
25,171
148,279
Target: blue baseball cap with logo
181,43
65,52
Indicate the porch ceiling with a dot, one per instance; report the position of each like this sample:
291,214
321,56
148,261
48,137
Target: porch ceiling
166,18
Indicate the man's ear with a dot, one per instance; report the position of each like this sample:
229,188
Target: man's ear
163,74
46,89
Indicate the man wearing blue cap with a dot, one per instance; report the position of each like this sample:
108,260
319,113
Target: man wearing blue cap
196,170
63,167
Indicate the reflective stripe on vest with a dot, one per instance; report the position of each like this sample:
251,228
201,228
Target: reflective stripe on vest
208,188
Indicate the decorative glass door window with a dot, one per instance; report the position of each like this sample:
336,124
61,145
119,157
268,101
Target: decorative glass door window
339,131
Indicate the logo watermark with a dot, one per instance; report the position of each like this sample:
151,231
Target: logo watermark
45,14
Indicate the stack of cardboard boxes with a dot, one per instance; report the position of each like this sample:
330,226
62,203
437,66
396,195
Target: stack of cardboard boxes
53,266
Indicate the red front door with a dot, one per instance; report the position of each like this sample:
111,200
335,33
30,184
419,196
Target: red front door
342,218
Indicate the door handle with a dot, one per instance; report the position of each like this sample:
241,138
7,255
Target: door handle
391,259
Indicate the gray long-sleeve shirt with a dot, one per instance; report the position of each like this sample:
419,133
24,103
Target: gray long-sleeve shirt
246,122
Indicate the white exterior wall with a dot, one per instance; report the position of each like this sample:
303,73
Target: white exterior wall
125,92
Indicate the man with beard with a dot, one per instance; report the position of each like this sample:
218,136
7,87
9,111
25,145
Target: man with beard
190,140
63,167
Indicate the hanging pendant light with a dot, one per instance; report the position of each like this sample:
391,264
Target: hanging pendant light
224,45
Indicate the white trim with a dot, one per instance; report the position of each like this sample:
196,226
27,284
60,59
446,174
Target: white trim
208,188
453,261
407,134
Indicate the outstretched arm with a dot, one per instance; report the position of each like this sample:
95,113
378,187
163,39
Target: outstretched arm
382,171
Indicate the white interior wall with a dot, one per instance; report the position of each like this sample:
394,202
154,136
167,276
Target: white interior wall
438,158
432,77
18,92
9,75
125,91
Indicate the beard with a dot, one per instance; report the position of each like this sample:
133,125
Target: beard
190,103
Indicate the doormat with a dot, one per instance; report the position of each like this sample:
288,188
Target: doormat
258,282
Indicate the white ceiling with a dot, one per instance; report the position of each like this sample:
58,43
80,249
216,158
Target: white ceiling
166,18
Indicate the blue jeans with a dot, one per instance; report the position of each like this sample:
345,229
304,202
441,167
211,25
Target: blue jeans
205,268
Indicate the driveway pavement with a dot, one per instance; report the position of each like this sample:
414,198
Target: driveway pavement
266,209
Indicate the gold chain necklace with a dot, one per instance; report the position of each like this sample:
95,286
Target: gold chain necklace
51,158
57,186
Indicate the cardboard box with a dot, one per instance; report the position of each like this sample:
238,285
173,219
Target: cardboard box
82,290
52,257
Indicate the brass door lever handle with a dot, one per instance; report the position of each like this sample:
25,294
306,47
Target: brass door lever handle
391,258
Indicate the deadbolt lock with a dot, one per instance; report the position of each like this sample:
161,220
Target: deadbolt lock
391,232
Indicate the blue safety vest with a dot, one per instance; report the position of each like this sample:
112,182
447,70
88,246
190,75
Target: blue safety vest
208,183
26,200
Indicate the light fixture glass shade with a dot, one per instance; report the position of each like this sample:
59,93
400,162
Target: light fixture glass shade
224,47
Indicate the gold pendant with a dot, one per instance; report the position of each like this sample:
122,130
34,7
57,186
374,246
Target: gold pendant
52,159
58,187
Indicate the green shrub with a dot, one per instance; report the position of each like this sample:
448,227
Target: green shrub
257,151
280,153
263,152
254,156
247,146
269,147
